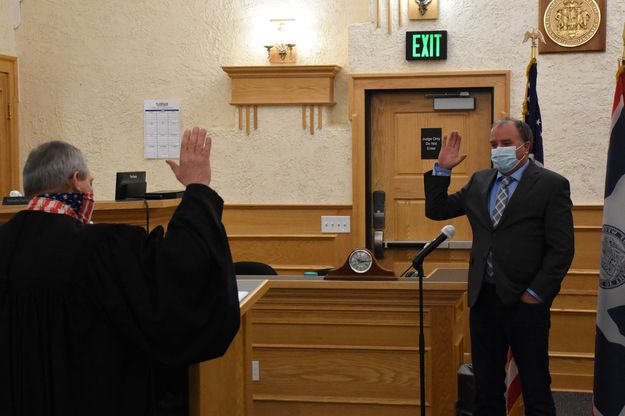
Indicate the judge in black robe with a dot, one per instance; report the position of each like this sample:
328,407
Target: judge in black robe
85,309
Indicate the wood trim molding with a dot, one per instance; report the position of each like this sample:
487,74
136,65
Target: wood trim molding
359,84
283,71
288,237
8,64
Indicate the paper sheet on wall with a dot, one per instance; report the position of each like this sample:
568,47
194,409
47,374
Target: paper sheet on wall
161,126
17,13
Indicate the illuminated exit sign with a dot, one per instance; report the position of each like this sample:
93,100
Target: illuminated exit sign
425,46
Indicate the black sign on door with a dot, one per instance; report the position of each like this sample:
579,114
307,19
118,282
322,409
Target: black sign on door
431,140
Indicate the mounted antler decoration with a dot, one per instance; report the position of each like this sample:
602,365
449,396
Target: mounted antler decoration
423,6
423,9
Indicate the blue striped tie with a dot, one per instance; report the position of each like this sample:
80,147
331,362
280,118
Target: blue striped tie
500,205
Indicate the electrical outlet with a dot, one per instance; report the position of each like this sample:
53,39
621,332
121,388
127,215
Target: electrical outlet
255,370
335,224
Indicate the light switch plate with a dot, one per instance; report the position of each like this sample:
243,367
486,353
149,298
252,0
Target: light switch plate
255,370
335,224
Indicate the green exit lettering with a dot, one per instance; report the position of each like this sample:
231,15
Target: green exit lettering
426,45
430,45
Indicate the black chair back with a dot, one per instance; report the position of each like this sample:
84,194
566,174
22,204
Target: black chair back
253,268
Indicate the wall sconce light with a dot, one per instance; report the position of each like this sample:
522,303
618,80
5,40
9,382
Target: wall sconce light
282,51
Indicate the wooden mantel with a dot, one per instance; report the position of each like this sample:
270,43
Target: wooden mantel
282,85
305,85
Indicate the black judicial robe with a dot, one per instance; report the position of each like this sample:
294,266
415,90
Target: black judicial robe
84,309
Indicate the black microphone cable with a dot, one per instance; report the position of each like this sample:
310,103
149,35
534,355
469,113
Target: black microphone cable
447,231
147,215
406,271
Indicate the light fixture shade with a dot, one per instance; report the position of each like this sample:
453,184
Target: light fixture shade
283,30
281,47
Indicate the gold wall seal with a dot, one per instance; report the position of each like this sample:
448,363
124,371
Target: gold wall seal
572,23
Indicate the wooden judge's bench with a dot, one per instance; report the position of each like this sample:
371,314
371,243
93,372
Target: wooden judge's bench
313,347
118,212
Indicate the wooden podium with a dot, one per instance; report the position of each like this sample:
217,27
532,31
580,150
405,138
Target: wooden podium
351,348
222,386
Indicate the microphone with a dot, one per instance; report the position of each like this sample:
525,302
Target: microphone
447,231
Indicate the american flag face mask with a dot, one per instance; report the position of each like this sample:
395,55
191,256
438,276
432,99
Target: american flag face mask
75,204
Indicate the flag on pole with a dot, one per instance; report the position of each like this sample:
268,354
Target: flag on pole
609,381
531,115
531,110
514,393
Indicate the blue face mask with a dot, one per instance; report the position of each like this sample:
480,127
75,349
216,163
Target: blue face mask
504,158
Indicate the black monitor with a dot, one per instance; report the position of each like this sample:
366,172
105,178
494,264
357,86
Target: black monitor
130,185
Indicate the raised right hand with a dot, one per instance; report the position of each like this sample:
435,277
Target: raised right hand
449,156
194,166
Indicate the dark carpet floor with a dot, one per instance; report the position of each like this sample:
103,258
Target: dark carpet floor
573,404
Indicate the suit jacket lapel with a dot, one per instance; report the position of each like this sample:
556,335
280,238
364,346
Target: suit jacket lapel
484,196
529,178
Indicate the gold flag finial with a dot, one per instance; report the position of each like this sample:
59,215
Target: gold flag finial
535,35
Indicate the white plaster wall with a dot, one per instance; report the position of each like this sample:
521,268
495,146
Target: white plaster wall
575,89
87,66
7,34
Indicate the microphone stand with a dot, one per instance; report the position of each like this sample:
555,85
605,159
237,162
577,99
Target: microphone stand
419,268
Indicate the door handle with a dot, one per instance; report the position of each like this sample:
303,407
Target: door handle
378,244
379,198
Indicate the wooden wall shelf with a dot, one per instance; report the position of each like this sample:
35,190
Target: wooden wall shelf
306,85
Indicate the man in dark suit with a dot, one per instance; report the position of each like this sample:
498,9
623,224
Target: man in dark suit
520,215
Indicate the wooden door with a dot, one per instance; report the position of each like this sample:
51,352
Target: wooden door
397,168
9,173
5,182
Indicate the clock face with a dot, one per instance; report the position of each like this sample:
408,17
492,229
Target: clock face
360,261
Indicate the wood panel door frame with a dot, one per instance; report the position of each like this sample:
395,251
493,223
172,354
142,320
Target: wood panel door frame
8,64
361,83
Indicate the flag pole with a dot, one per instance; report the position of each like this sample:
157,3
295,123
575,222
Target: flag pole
623,56
607,375
535,35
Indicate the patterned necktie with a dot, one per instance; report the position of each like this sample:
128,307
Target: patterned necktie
500,205
501,201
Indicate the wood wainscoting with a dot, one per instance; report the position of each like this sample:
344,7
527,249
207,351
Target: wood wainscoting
288,237
573,313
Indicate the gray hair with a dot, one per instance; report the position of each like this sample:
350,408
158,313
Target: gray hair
522,127
50,166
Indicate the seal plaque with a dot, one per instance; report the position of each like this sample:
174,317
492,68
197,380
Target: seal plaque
571,23
612,273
